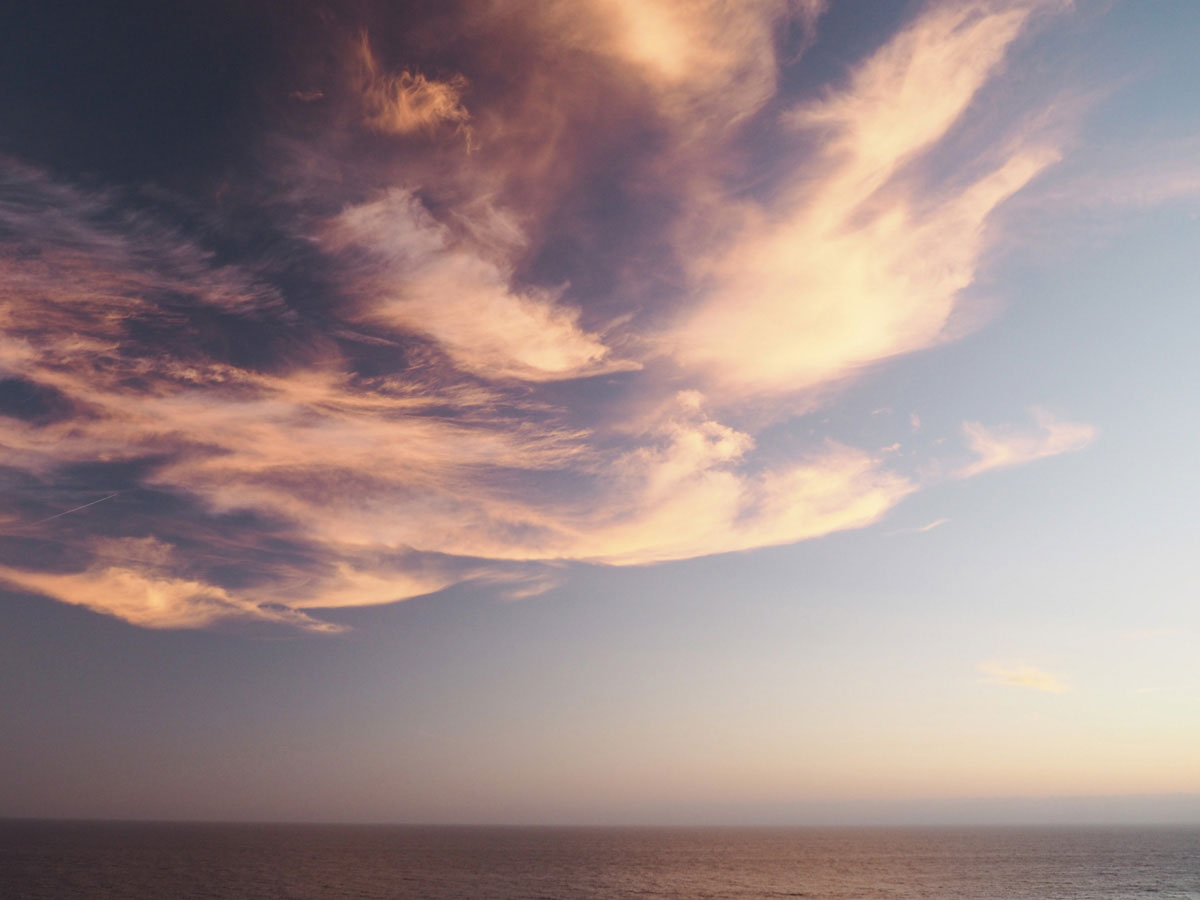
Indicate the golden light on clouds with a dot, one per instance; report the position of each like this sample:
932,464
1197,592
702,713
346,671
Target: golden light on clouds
406,102
506,419
845,274
420,279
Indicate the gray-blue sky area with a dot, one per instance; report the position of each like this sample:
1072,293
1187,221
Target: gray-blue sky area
599,411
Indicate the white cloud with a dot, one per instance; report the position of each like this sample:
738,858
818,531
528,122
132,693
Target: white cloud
998,447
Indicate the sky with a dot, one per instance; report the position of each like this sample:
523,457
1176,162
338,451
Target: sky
600,411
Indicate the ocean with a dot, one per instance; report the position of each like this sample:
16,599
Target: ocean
142,861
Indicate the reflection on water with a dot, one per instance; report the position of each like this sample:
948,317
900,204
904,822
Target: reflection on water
120,861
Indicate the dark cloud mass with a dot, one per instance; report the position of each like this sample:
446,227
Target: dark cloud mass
306,307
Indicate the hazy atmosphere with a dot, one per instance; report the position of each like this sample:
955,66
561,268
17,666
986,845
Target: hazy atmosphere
600,411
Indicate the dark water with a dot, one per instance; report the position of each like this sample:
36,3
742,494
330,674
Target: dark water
50,861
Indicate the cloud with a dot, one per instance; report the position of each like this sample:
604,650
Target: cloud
688,494
707,55
644,95
406,103
87,254
862,264
1021,674
391,501
1119,175
144,594
413,274
911,91
568,342
1007,446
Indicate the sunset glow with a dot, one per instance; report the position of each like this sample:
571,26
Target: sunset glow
769,411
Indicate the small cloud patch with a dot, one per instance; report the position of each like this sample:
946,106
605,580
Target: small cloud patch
1023,675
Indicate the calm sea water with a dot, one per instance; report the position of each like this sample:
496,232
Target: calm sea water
117,861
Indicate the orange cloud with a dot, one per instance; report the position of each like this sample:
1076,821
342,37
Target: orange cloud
406,103
139,591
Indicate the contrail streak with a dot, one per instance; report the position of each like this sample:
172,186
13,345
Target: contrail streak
67,512
919,529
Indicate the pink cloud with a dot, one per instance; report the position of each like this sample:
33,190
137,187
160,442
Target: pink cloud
418,277
860,265
515,421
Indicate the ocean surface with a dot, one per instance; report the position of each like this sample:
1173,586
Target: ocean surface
123,861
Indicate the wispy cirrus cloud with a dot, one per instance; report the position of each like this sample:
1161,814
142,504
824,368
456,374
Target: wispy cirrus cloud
406,102
391,493
998,447
862,264
1023,675
411,273
89,253
452,402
